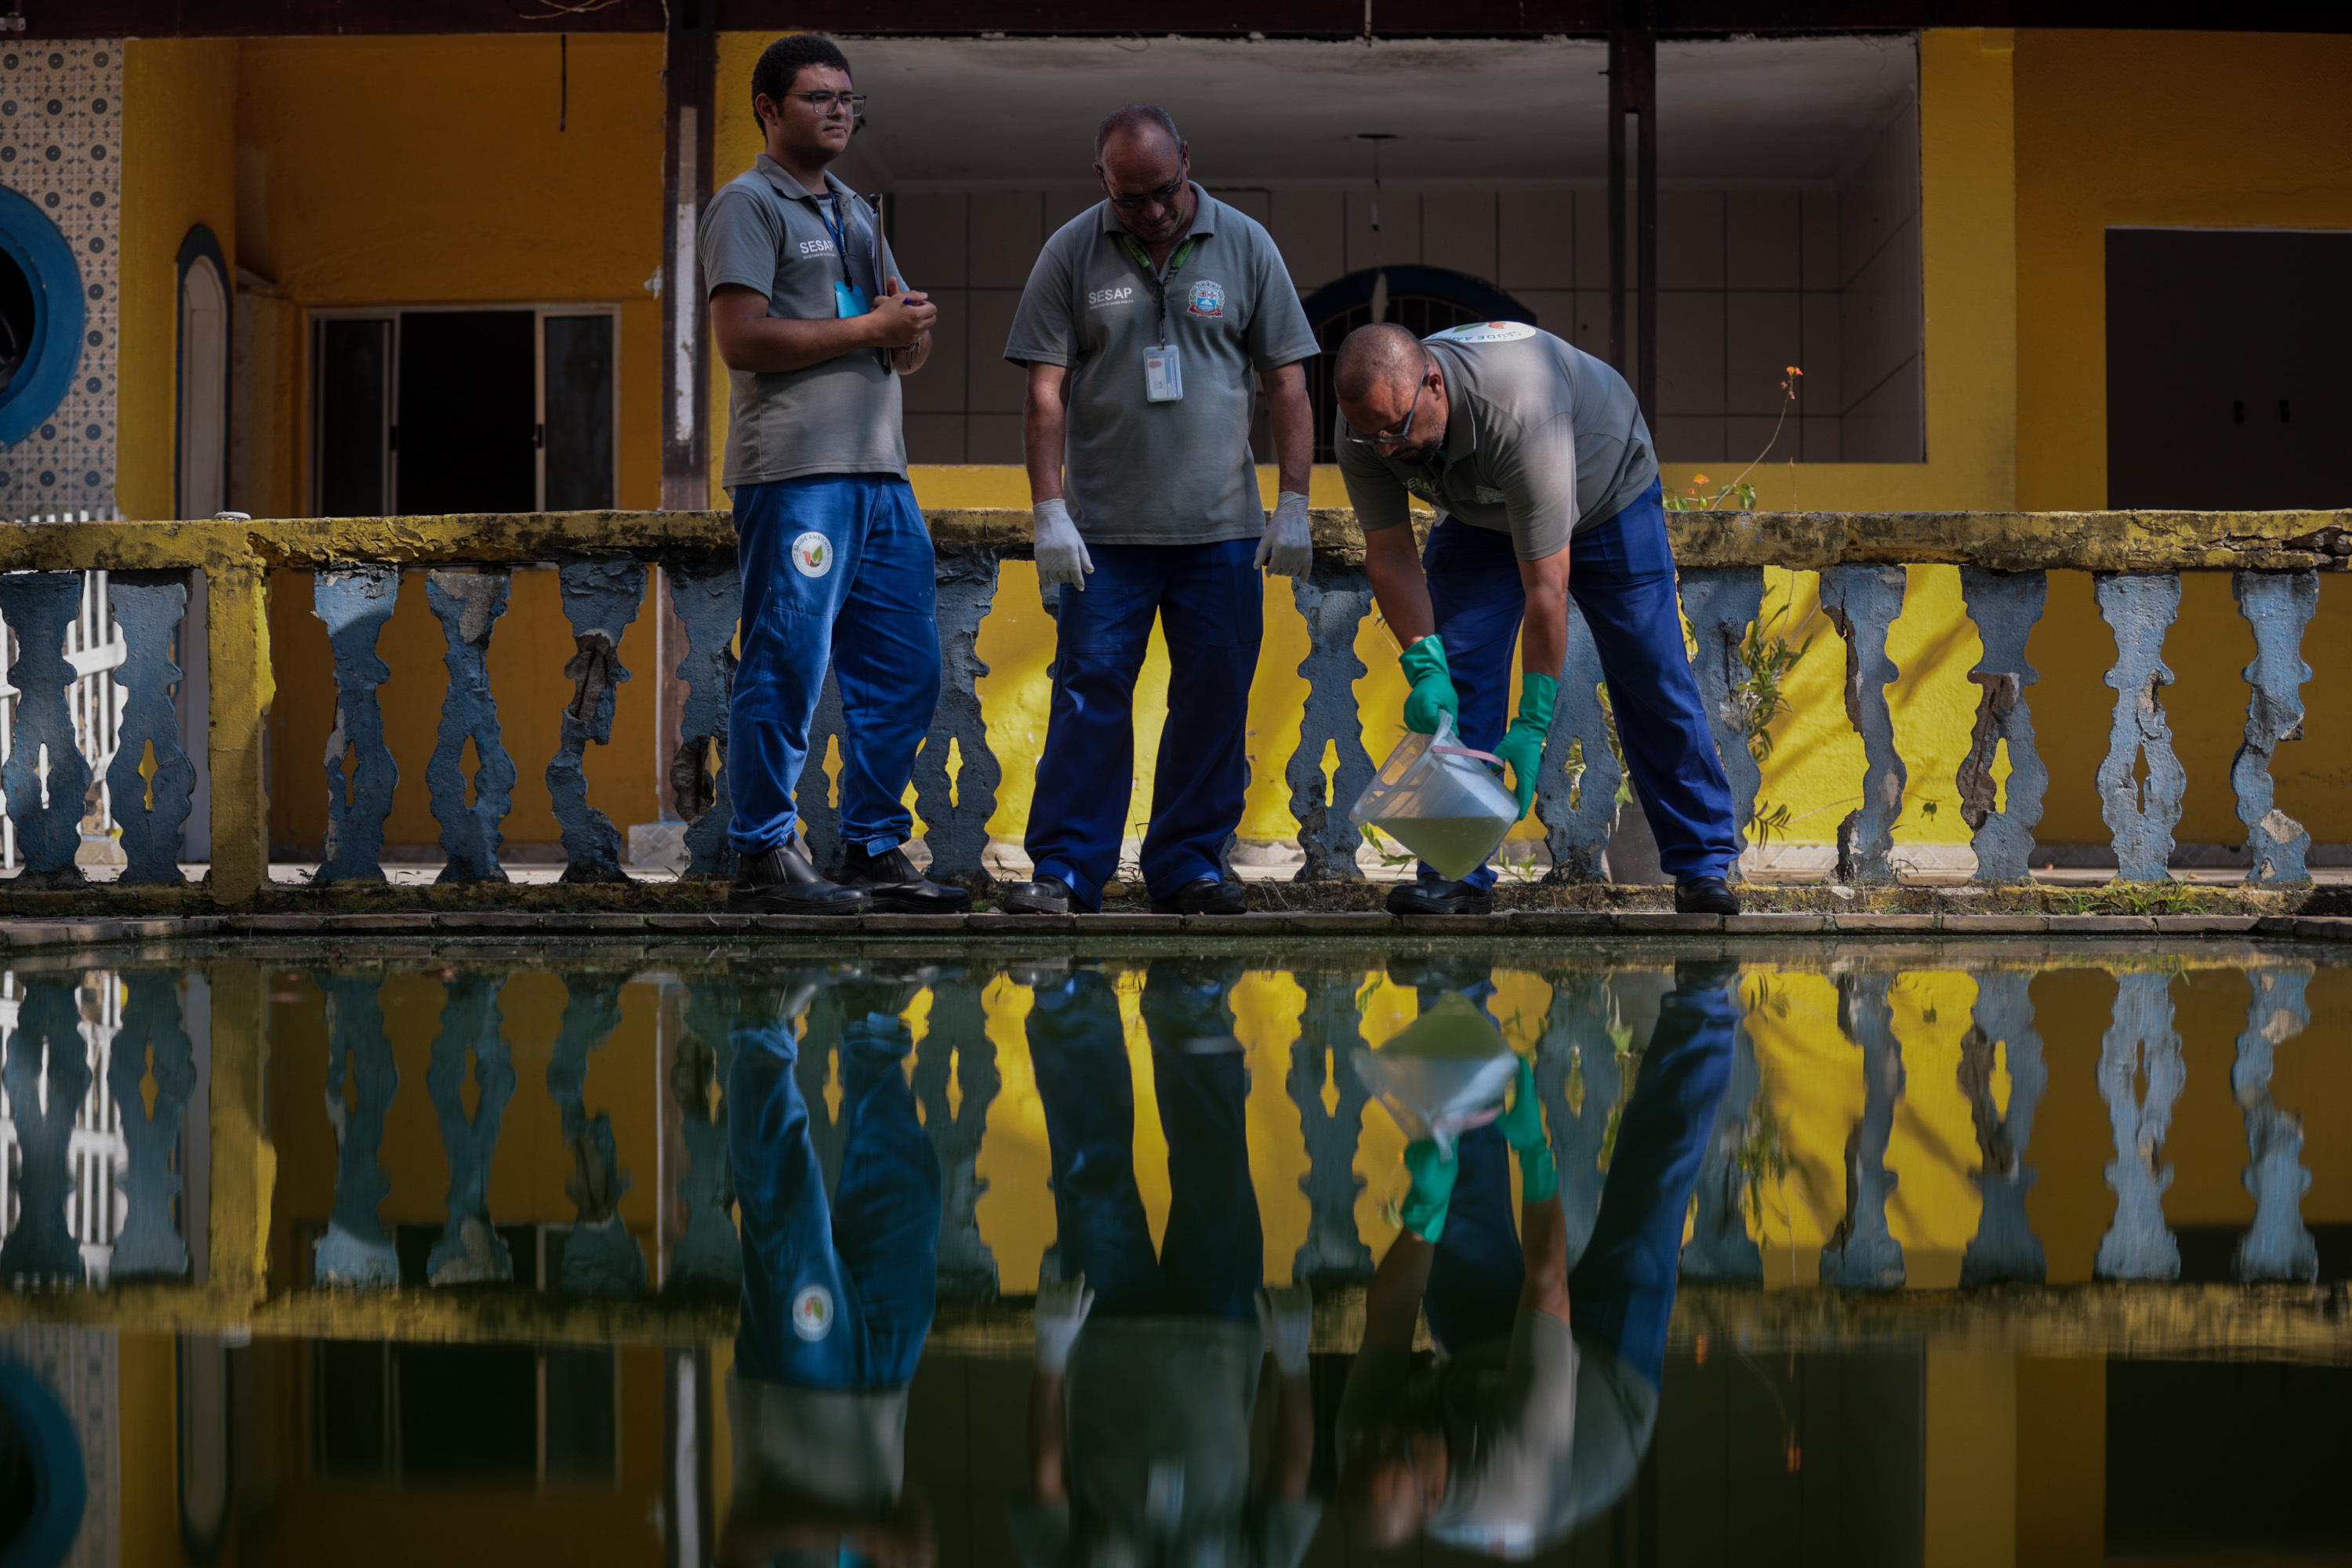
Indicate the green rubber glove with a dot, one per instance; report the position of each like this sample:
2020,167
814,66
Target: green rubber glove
1432,1188
1432,685
1523,1130
1523,743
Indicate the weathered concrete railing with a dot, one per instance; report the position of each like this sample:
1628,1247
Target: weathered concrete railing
604,560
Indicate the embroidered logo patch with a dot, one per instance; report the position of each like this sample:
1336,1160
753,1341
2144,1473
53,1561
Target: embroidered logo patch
1206,299
812,554
812,1313
1490,495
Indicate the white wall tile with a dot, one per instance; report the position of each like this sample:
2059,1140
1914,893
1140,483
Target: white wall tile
1690,353
1687,438
1458,231
1256,203
1400,236
1883,192
1762,239
1690,239
1310,228
1821,443
1879,324
1591,333
1555,310
997,385
1886,426
1592,239
1007,227
938,387
1061,206
929,238
1762,337
1747,438
1537,233
1820,356
1820,238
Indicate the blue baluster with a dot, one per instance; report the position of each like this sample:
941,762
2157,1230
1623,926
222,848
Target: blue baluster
2005,606
147,608
47,1076
813,793
150,1245
468,605
1580,1078
470,1251
1331,1032
955,812
2277,1247
2140,1041
1862,602
1861,1253
600,1256
1721,1250
707,593
2139,607
599,599
2004,1247
39,606
1577,816
956,1043
1722,602
356,1252
355,601
2278,606
707,1261
1334,600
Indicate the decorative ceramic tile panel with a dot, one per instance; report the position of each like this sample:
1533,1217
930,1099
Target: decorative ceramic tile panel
61,148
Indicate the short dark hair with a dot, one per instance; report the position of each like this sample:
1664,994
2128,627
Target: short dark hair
781,62
1132,116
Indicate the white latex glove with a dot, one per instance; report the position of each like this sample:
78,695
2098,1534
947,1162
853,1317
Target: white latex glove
1061,554
1286,1313
1288,542
1062,1308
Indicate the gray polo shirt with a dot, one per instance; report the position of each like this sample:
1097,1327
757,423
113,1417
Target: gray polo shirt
822,1449
764,232
1543,440
1135,471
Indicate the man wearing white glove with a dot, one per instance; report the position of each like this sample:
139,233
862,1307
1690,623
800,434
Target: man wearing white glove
1146,326
1139,1424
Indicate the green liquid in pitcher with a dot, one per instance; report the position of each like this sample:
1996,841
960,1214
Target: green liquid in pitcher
1453,846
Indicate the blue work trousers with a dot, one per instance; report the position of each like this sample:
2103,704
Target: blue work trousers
1207,599
837,568
1212,1259
871,1254
1622,1292
1622,575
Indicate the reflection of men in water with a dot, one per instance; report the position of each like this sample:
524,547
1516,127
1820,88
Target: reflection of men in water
1139,1425
837,1296
1538,1415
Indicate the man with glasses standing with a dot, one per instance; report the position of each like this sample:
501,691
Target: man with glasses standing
1144,327
1534,453
815,328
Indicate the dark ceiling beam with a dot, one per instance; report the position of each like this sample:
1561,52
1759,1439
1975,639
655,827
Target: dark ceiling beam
1275,19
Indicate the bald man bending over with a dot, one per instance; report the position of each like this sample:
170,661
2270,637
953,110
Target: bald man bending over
1537,458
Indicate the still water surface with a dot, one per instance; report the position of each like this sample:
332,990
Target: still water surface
2012,1253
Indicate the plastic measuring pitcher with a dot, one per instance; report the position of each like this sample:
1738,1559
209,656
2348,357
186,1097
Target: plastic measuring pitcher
1446,1073
1438,798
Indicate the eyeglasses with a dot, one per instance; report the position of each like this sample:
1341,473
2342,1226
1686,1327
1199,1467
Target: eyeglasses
824,103
1159,197
1403,432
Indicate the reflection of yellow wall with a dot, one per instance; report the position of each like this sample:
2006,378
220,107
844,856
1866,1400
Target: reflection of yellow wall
179,169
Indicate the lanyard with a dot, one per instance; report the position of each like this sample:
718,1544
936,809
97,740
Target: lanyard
837,226
1159,284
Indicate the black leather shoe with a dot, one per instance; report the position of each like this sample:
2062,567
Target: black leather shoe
1436,896
1046,896
1205,896
1705,896
782,882
891,880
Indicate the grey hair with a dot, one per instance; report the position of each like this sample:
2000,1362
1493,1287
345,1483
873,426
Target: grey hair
1130,118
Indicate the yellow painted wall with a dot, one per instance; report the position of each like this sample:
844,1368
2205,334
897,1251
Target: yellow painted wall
385,171
1971,1468
2100,141
2062,1462
179,169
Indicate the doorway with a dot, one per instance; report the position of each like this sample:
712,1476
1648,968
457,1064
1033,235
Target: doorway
2225,382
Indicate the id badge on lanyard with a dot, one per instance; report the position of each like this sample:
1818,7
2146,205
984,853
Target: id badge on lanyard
849,300
1163,376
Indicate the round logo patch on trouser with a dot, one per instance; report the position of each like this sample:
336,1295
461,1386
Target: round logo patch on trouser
812,554
813,1308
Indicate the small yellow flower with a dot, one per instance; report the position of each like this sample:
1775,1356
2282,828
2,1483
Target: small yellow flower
1794,371
1698,479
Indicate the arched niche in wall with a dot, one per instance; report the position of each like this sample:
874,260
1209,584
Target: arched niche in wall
41,316
201,438
1421,299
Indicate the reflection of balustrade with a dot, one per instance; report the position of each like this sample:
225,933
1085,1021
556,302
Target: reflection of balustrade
1330,1098
2277,1247
2137,559
600,1256
2140,1043
2004,1246
1861,1253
